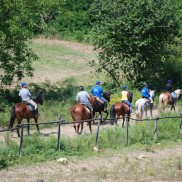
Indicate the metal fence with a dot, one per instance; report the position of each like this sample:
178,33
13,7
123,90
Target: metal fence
60,122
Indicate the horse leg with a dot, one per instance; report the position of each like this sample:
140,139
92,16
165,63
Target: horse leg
28,127
93,117
101,121
78,128
89,124
123,121
36,121
81,128
106,115
145,113
75,128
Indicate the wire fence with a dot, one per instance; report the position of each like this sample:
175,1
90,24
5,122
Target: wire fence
60,122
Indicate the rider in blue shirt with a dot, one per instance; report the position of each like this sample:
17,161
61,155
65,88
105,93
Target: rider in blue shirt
97,91
145,91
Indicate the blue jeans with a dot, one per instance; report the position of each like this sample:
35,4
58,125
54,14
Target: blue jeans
129,104
103,99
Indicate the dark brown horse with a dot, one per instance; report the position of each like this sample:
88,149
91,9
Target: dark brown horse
79,113
119,109
98,106
22,111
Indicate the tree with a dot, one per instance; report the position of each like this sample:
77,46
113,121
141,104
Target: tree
18,20
136,38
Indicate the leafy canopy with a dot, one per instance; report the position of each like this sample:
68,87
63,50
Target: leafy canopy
135,38
18,20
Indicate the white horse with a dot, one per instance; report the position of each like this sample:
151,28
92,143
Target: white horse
144,105
165,99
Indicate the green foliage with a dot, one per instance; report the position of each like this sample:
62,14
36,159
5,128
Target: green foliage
72,21
134,39
18,20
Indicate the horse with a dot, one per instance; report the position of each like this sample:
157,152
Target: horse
142,105
22,111
98,106
165,99
119,109
79,113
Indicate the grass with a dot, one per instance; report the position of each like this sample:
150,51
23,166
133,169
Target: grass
60,60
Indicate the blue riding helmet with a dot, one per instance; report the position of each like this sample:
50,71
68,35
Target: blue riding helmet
97,82
124,87
169,81
23,84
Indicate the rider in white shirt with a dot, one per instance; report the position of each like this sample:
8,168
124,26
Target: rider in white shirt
26,96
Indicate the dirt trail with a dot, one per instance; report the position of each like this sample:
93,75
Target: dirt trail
68,130
155,165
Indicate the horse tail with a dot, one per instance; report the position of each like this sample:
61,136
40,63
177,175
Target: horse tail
75,116
12,118
112,114
161,101
138,110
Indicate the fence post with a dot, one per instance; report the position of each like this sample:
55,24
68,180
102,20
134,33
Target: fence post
181,124
127,119
21,140
97,134
59,132
155,127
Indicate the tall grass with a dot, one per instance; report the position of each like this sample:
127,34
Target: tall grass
38,149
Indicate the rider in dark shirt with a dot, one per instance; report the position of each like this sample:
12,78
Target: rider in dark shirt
169,86
170,89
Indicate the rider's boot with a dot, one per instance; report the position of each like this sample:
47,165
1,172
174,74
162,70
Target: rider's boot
36,113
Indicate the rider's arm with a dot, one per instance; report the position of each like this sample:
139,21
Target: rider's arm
77,97
91,90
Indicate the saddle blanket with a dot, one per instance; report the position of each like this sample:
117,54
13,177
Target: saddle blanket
29,105
100,100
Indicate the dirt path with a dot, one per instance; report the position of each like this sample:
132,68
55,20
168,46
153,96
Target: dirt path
68,130
155,165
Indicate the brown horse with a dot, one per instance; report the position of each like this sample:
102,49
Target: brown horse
119,109
22,111
98,106
165,99
79,113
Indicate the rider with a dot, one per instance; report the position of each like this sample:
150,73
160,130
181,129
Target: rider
124,98
170,89
26,96
84,98
145,92
97,91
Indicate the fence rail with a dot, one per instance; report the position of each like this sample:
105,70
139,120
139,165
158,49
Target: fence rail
60,122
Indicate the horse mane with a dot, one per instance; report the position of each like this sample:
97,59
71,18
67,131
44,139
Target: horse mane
38,99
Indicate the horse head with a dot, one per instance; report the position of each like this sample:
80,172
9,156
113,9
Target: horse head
107,95
178,92
39,98
152,94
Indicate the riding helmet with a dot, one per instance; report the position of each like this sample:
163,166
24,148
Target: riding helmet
97,82
169,81
124,87
23,84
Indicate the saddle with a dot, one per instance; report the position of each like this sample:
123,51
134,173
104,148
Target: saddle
32,108
100,100
125,102
88,109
